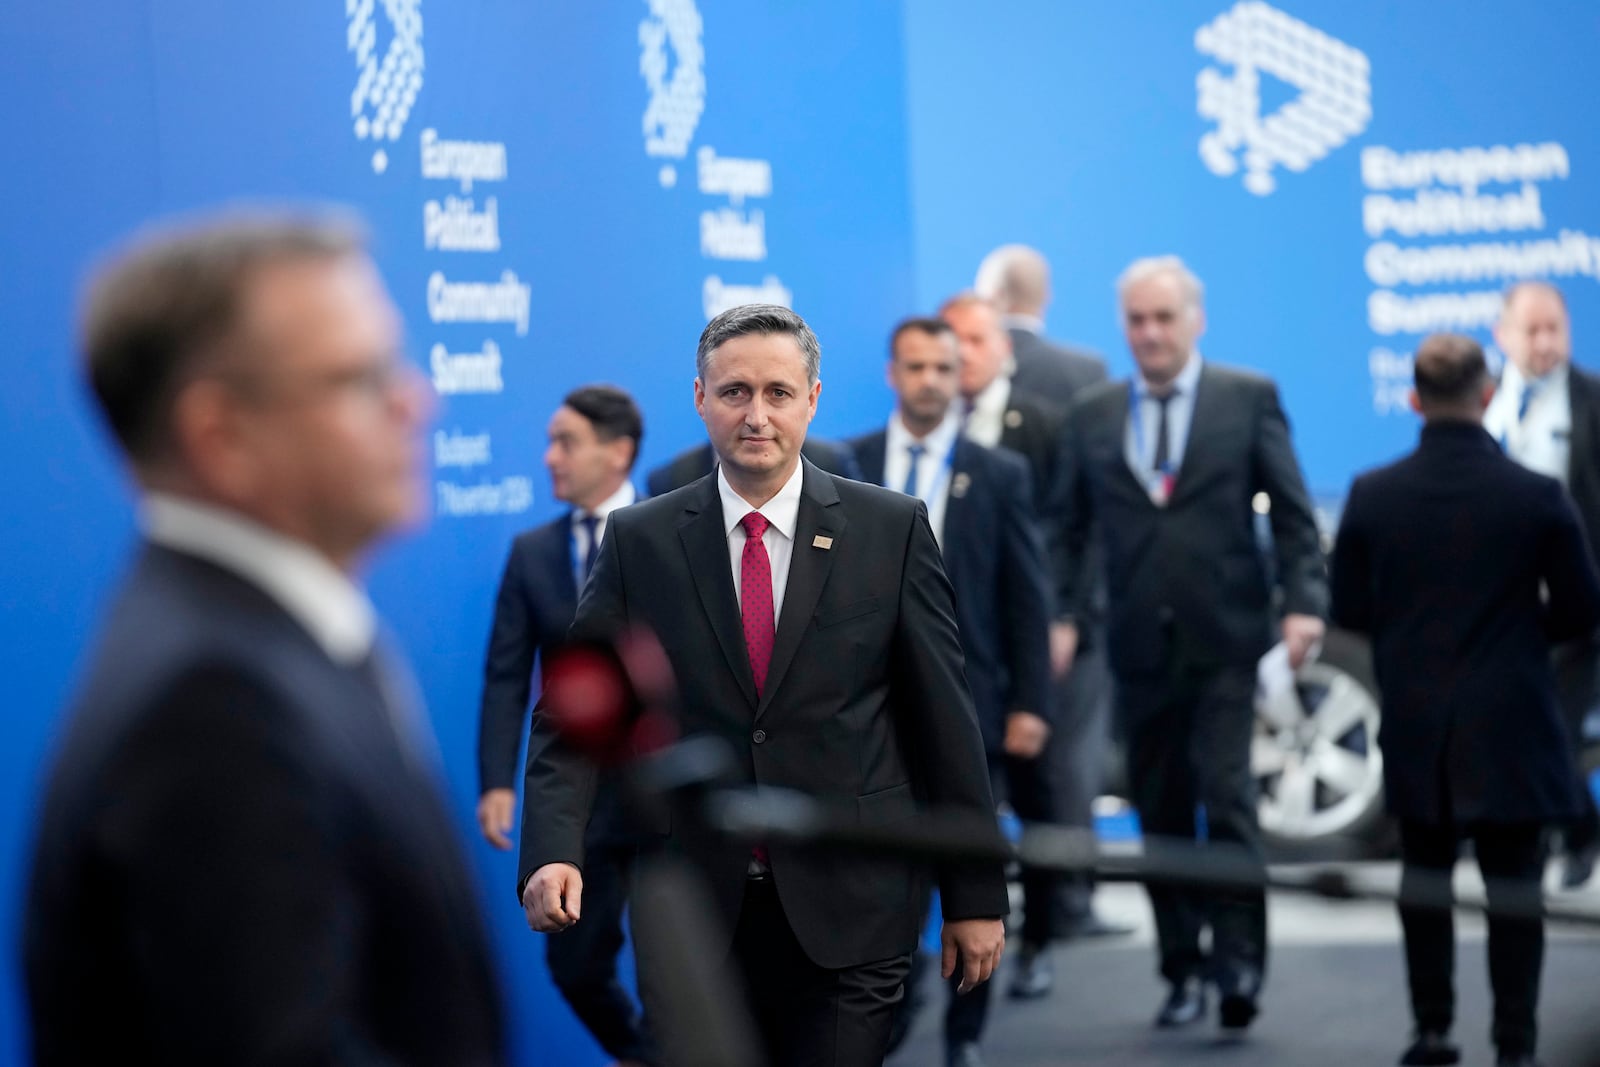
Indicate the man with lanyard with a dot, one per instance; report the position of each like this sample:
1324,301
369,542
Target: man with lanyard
978,505
594,439
1546,415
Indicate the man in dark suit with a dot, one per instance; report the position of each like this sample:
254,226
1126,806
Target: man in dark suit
1016,279
243,854
695,463
1546,414
997,415
1168,465
594,439
810,625
1463,567
980,509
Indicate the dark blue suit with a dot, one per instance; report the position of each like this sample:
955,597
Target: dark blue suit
995,561
239,859
1464,568
537,600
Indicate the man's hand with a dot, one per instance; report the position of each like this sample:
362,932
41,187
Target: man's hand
496,809
1301,633
552,898
1063,647
976,944
1026,734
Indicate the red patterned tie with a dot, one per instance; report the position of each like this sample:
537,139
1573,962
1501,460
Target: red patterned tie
755,597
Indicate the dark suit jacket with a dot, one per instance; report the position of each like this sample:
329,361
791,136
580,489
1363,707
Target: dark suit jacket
1036,431
1189,579
1583,464
1443,558
865,705
693,464
993,556
532,613
237,862
1052,371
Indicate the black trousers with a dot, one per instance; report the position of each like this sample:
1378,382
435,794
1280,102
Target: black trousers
1188,749
1577,665
1027,786
583,959
810,1016
1076,755
1511,857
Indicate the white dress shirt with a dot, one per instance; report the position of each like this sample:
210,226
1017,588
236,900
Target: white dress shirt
602,513
1542,439
315,593
933,468
1144,419
782,513
987,420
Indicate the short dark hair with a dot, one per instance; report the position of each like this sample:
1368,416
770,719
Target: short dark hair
1448,368
747,319
928,324
612,413
155,312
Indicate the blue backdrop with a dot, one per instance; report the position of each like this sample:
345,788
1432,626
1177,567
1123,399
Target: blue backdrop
561,193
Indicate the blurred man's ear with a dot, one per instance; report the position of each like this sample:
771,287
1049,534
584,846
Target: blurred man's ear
1414,400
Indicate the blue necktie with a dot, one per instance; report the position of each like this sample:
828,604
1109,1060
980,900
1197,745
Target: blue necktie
911,472
1528,389
591,526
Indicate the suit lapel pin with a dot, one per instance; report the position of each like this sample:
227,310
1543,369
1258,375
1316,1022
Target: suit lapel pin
960,484
822,541
1013,418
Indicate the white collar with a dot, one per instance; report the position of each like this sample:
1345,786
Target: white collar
782,511
315,593
1184,384
1512,375
994,397
624,496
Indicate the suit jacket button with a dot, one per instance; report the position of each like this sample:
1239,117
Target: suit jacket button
759,736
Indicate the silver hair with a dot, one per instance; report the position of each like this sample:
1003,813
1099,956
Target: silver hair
749,319
1154,266
1016,278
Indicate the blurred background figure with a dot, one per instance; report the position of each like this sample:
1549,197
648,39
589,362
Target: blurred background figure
1016,280
1165,467
981,511
243,854
997,415
593,441
1546,415
1462,567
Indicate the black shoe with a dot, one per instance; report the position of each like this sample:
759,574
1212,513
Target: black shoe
1237,1008
1035,975
963,1054
1088,925
1579,866
1432,1048
1524,1059
1185,1004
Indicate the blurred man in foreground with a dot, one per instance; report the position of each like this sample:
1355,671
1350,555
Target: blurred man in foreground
1463,567
243,855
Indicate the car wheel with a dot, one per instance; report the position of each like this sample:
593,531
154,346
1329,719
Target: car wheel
1315,758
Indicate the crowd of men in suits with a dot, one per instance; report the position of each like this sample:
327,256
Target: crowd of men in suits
947,611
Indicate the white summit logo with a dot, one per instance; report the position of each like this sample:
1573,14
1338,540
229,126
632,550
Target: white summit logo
672,62
1334,104
385,89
